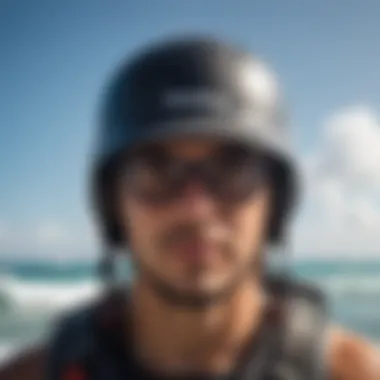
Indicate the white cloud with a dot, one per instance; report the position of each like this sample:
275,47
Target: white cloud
343,187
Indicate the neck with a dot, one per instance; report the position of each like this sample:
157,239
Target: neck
171,340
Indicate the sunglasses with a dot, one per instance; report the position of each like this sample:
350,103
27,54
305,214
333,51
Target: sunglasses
231,174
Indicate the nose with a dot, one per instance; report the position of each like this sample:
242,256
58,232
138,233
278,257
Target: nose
196,201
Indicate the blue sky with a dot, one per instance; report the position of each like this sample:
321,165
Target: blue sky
57,55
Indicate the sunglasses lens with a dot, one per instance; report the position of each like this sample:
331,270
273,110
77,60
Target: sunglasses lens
231,174
149,176
236,172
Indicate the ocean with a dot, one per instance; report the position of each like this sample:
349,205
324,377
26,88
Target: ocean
32,294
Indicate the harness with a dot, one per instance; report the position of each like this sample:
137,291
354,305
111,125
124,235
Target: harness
88,342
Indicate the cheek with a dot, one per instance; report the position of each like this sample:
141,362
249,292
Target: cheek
142,226
251,224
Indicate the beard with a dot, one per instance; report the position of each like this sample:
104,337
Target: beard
177,297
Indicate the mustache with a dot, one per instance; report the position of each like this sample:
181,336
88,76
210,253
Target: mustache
186,232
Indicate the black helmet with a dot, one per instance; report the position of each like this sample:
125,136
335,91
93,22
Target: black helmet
192,86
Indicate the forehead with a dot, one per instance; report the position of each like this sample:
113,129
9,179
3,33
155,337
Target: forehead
190,147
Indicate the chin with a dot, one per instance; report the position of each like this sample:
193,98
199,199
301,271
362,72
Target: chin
194,295
191,290
204,286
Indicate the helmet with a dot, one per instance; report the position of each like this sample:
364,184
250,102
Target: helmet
191,86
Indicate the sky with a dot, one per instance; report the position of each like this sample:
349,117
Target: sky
56,57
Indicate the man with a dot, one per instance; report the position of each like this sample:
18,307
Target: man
194,177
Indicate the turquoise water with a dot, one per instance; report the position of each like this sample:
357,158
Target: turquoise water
32,293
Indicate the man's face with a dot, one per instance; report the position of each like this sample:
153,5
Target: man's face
195,212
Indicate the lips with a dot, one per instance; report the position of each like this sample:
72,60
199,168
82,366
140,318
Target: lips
196,249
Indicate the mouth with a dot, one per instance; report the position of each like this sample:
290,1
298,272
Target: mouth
196,250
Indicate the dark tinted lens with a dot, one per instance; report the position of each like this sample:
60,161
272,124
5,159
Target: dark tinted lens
235,172
231,174
149,174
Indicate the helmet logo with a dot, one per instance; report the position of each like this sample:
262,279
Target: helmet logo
196,99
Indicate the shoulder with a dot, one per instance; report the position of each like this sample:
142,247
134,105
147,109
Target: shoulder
72,324
27,365
70,339
81,332
87,317
33,362
351,357
46,360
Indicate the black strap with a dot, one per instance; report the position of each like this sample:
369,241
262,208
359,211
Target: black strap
301,342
